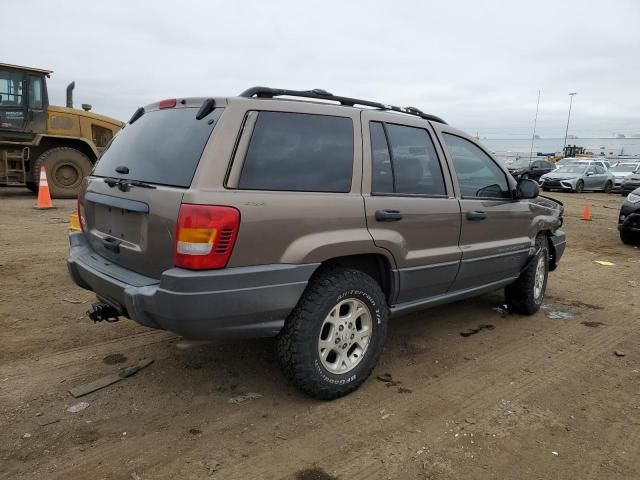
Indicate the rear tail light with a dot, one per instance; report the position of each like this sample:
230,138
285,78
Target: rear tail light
169,103
80,212
205,236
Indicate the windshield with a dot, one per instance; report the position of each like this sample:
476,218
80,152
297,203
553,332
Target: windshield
162,146
520,163
575,168
624,167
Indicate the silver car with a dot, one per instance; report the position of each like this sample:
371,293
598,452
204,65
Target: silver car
577,177
621,170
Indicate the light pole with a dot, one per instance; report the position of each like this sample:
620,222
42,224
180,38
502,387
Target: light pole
568,117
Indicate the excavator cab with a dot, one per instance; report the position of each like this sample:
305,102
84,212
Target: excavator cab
23,102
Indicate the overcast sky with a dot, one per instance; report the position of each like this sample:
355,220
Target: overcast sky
478,64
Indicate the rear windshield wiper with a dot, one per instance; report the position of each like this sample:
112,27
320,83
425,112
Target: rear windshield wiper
123,184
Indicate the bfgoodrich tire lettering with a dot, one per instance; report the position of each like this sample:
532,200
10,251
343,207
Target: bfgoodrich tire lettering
527,293
299,342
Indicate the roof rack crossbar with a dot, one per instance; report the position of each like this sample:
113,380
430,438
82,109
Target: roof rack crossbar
266,92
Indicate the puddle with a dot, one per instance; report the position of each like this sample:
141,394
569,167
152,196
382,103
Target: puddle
314,474
592,324
473,331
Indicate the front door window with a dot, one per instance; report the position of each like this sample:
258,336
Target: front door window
12,113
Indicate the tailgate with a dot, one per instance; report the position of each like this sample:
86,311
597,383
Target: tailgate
133,229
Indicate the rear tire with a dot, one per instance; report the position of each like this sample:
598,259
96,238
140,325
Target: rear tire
630,238
65,167
579,187
526,294
333,338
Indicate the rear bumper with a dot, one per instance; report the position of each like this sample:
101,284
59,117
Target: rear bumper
242,302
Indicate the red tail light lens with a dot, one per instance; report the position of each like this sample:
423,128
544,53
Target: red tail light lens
80,213
205,236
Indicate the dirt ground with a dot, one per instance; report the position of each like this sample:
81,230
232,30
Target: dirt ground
533,398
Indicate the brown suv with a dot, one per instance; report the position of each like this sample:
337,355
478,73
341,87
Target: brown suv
313,219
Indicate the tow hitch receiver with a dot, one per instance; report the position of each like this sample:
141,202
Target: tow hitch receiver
101,311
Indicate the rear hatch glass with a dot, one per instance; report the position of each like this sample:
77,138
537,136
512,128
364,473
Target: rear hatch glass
134,226
162,146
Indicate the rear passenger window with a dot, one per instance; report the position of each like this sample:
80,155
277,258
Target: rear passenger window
478,175
412,167
299,152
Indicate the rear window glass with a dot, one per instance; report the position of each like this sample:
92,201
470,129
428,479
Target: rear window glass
299,152
162,146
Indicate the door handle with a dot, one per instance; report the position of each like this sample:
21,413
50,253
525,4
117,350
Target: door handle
388,215
476,215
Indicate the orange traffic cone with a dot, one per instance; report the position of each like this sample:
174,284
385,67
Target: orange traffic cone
586,212
44,197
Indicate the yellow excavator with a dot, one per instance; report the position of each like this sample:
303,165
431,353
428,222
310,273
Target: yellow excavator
65,140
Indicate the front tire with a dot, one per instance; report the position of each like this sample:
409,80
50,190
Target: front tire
527,293
579,187
608,187
333,338
65,167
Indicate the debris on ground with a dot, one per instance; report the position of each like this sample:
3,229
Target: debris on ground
557,315
470,420
109,379
135,476
606,263
632,283
26,435
473,331
213,467
501,309
245,397
43,421
593,324
78,407
619,353
555,453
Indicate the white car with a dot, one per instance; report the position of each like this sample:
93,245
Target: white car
621,170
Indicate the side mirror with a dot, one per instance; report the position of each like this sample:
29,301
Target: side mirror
527,189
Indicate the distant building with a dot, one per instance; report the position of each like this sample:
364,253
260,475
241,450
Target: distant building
620,135
572,137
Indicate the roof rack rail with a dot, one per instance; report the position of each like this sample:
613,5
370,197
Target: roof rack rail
317,93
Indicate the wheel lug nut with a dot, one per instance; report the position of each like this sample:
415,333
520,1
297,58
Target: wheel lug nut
344,346
341,328
350,325
352,335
